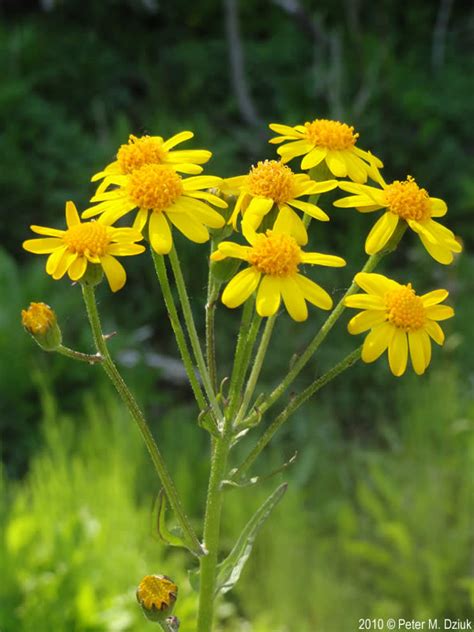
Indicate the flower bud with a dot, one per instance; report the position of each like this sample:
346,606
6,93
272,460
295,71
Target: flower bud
40,321
156,595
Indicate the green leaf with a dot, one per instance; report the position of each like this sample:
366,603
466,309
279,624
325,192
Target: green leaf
230,569
168,536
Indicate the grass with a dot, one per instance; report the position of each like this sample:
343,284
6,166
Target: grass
366,530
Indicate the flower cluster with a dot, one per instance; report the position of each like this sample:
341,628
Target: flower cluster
162,188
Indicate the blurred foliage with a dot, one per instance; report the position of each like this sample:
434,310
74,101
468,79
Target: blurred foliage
386,532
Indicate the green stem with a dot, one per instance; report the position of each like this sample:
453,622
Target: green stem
160,269
137,414
256,369
212,294
212,522
192,332
295,403
77,355
247,335
315,343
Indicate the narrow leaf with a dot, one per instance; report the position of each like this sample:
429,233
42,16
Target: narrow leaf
229,570
167,536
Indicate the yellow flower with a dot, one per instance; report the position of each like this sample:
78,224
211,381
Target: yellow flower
72,250
274,258
157,594
269,183
331,141
40,321
399,320
148,150
404,201
161,193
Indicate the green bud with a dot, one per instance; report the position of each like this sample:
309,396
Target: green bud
40,321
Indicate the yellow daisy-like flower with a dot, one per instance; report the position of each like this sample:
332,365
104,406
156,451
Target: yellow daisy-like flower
162,194
330,141
404,201
399,321
273,183
274,258
148,150
73,249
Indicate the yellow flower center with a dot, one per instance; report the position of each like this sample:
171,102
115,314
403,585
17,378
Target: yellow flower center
407,200
38,318
90,238
275,254
157,591
272,179
154,187
140,151
404,309
330,134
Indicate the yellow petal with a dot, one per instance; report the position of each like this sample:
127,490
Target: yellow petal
63,264
77,268
373,283
417,351
381,232
434,297
365,320
314,157
284,129
313,292
293,298
209,197
377,342
114,271
191,156
298,229
54,259
317,258
438,207
191,228
398,353
42,246
160,233
439,312
201,182
434,331
356,169
310,209
441,254
268,296
72,216
336,163
365,301
230,249
125,250
177,139
50,232
241,287
140,219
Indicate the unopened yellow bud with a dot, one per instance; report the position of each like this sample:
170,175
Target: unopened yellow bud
156,595
40,321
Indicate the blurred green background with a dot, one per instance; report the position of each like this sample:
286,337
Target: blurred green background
378,519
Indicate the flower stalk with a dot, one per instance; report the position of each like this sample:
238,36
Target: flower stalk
112,372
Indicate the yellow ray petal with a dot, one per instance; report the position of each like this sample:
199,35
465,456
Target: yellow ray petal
398,353
190,227
114,271
320,259
50,232
72,216
439,312
53,260
268,296
377,342
336,163
314,157
42,246
160,233
373,283
381,232
310,209
434,297
313,292
241,287
365,320
293,297
77,268
417,351
177,139
434,331
63,264
365,301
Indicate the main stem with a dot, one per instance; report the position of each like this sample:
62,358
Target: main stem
212,524
137,414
